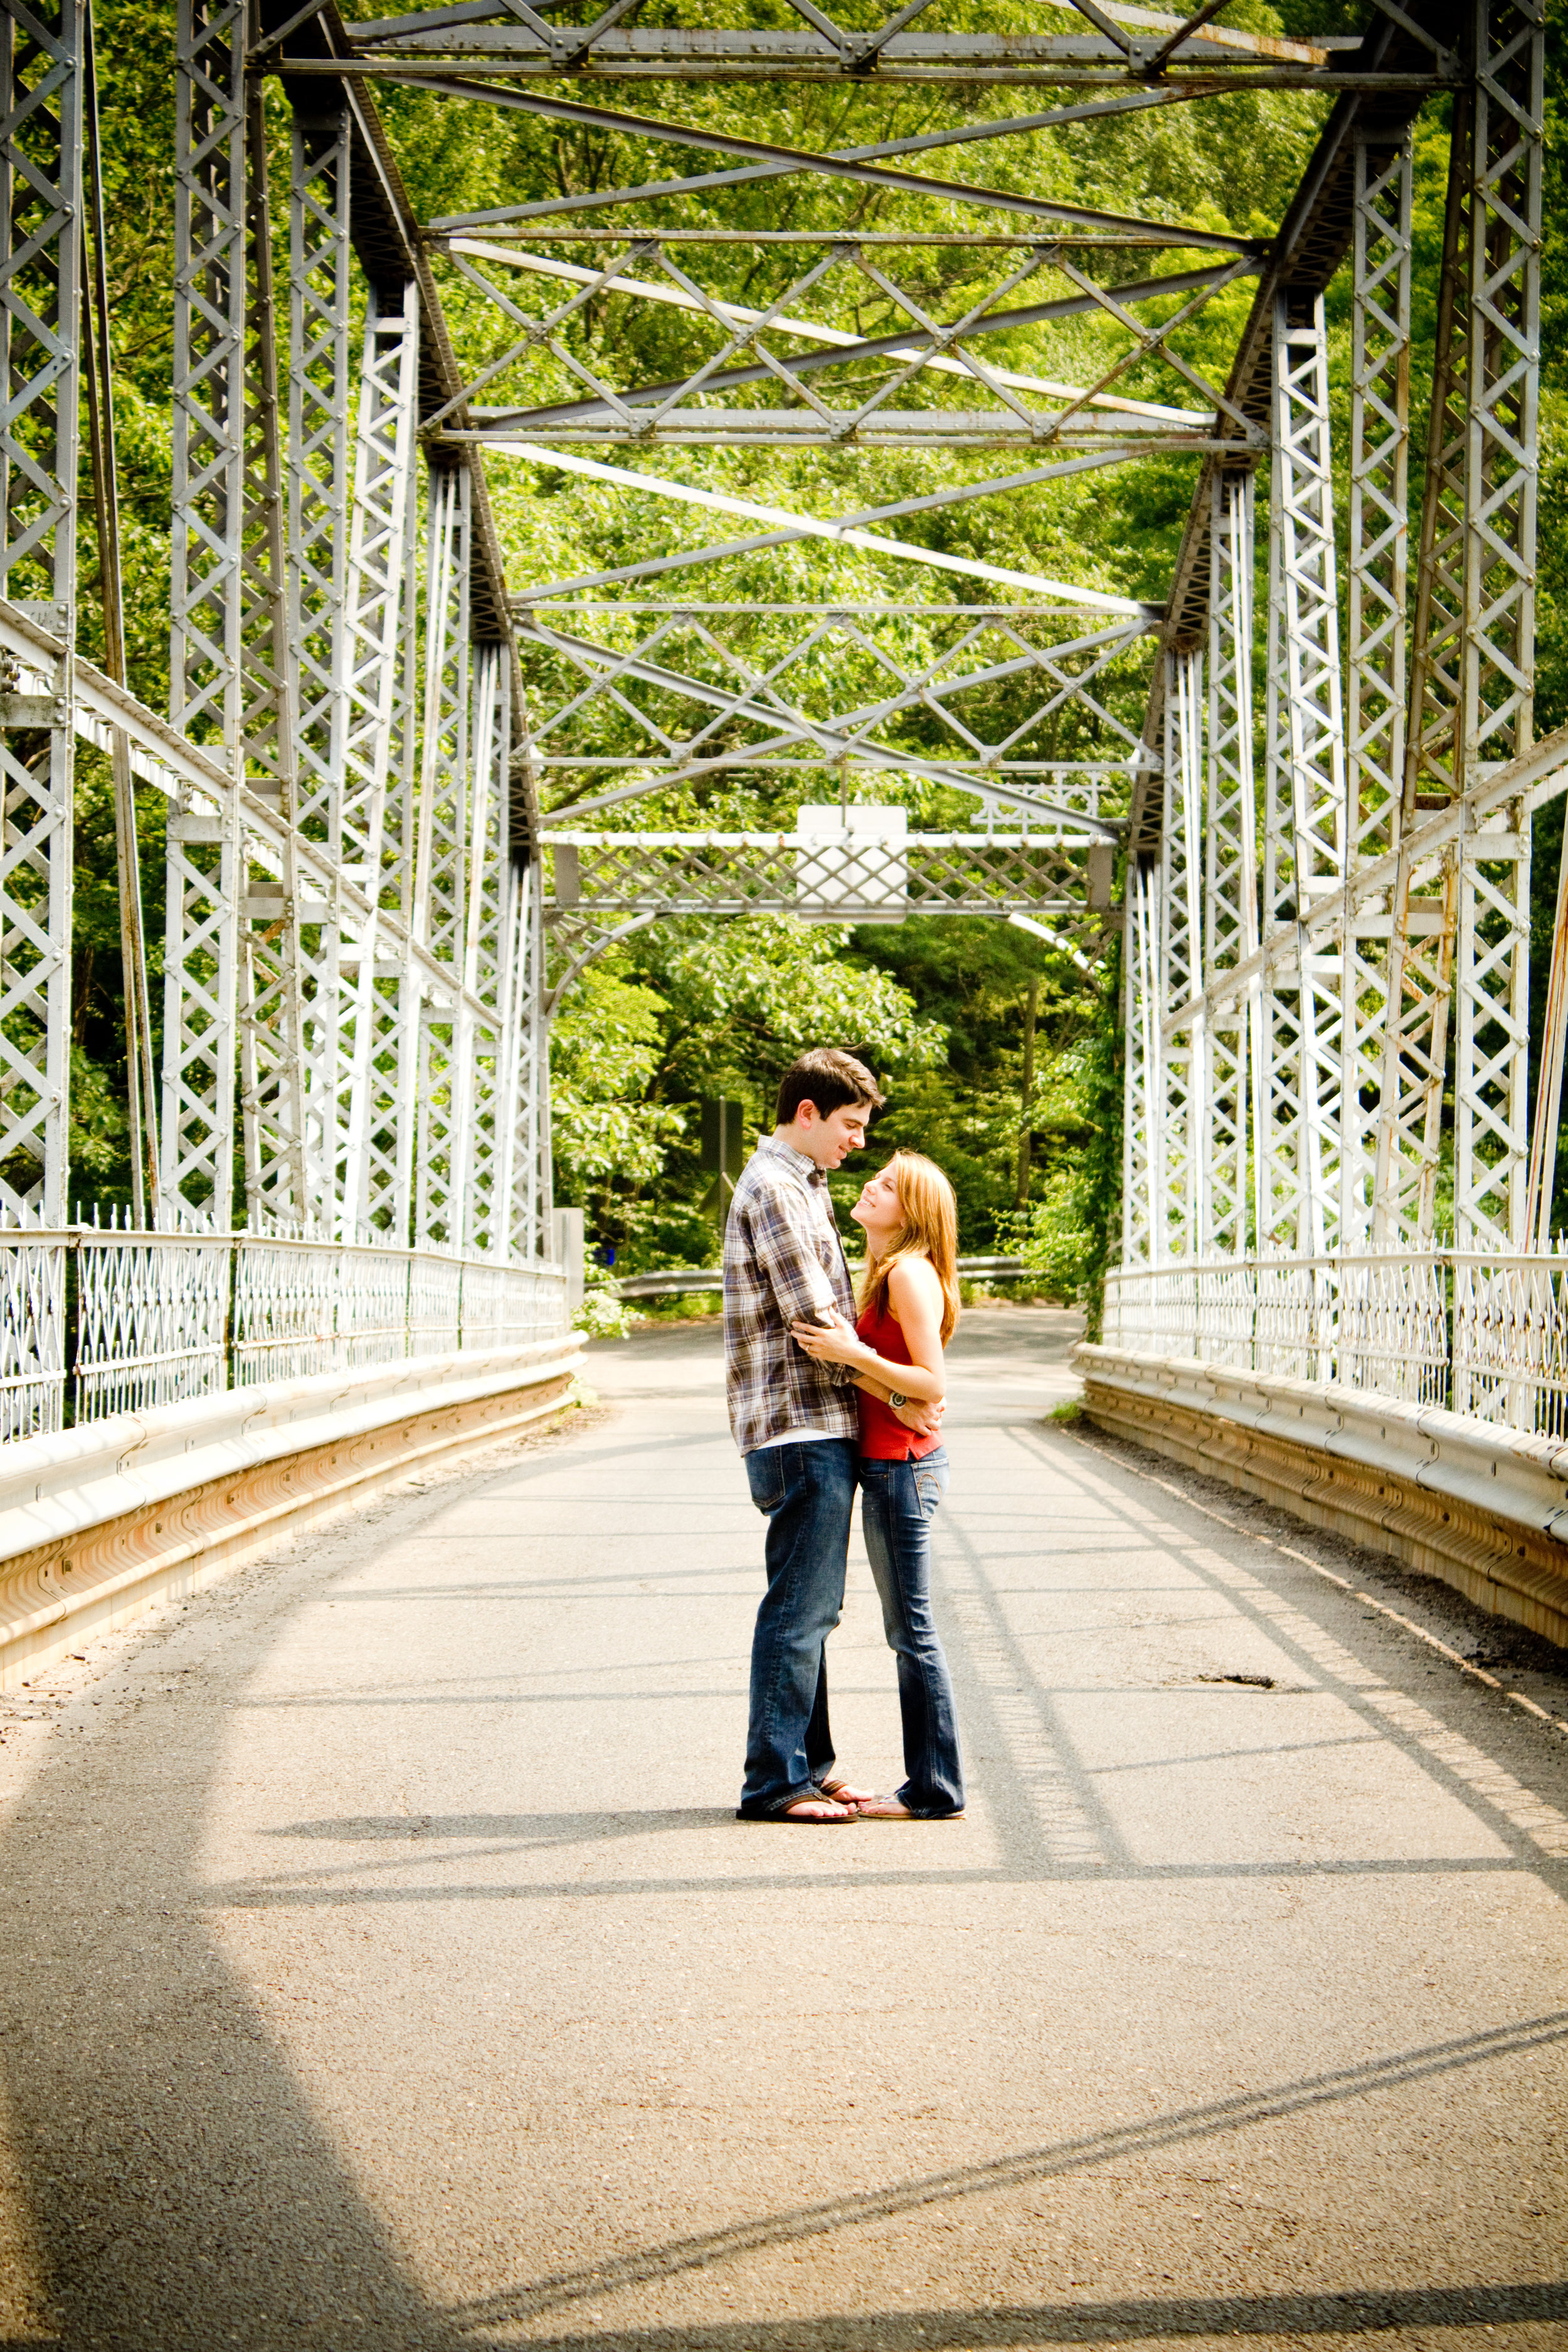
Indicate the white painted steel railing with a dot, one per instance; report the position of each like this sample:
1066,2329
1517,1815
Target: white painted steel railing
115,1322
678,1281
1482,1334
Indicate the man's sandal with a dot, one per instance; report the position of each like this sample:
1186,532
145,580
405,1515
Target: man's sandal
841,1793
825,1812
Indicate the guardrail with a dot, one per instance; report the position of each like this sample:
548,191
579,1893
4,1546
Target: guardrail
678,1281
96,1322
1484,1334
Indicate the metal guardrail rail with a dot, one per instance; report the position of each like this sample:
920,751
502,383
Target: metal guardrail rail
1483,1334
109,1321
680,1281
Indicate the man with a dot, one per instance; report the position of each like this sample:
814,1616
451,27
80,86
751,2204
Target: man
796,1422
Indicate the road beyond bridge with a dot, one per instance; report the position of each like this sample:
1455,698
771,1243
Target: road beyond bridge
383,1964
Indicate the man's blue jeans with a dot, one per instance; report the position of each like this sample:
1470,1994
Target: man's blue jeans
807,1492
898,1500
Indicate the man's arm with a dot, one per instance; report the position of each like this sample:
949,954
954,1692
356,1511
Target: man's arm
785,1248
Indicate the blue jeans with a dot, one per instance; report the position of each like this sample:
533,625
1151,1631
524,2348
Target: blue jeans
898,1500
807,1493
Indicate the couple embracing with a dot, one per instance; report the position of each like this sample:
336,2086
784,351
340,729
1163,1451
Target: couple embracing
829,1393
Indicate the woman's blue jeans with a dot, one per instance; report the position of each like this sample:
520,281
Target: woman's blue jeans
898,1502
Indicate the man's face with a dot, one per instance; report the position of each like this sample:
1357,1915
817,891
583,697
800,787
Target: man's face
830,1140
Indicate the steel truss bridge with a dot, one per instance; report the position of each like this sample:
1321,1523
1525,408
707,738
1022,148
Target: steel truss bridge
412,793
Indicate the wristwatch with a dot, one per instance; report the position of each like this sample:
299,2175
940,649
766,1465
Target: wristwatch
895,1399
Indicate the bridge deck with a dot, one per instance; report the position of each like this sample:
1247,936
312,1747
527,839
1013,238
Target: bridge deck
382,1964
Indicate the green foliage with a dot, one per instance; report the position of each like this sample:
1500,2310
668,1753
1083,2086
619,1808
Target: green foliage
603,1315
689,1012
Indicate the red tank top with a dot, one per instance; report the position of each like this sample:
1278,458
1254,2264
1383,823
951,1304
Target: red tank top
883,1436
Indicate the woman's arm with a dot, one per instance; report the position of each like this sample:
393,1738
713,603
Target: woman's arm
922,1414
914,1295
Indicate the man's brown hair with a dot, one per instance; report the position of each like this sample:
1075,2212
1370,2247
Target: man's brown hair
828,1078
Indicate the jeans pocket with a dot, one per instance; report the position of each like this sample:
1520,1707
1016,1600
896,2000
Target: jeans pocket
930,1485
765,1477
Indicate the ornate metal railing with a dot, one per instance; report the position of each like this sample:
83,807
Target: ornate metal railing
1484,1335
98,1322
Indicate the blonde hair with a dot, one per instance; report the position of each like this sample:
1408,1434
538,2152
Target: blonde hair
928,1228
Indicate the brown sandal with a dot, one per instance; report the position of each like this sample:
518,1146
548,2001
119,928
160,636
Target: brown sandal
841,1793
817,1821
889,1809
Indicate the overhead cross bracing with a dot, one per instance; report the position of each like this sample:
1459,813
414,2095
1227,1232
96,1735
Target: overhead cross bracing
422,762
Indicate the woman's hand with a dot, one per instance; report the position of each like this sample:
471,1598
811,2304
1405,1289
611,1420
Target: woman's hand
835,1345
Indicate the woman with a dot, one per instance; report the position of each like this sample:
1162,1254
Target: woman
907,1295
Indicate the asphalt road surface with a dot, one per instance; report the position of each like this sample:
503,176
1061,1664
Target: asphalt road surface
382,1965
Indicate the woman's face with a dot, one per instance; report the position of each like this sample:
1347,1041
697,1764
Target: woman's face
876,1210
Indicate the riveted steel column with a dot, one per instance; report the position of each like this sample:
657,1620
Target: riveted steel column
41,313
319,485
442,868
1308,760
272,978
1141,1210
377,794
1230,873
1501,483
202,885
1182,1232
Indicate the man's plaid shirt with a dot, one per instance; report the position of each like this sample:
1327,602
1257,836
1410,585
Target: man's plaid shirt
783,1260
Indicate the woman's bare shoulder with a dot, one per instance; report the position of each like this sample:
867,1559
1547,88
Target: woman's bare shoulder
913,1281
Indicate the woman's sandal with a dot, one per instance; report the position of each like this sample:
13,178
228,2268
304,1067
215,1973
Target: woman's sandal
889,1809
815,1813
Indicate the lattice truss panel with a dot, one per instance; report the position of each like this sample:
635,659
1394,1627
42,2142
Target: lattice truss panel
1472,672
1306,855
379,1000
1493,1140
201,945
1232,1076
794,365
1143,1185
1374,915
1023,708
339,924
829,878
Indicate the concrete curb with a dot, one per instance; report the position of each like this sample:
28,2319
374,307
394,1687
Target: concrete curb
102,1521
1485,1509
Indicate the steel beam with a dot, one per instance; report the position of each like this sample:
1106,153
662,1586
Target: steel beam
377,792
203,873
1379,487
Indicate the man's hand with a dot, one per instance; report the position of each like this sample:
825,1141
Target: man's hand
924,1418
